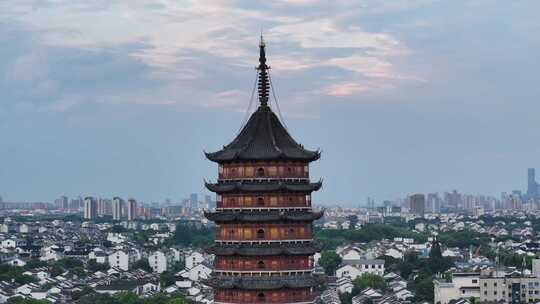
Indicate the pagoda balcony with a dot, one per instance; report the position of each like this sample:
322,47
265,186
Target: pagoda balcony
290,296
250,273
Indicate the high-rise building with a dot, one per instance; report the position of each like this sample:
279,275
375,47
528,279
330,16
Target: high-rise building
62,203
263,248
117,206
418,204
193,200
104,207
131,209
90,208
532,185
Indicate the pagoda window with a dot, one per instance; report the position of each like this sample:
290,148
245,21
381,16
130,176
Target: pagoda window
260,201
233,172
260,234
260,265
290,171
261,298
231,233
260,172
291,232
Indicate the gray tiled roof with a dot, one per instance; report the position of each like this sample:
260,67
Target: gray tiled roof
263,249
264,283
263,138
263,216
267,186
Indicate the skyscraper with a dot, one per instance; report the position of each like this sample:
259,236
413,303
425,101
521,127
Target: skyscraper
532,185
90,208
418,204
117,206
193,200
131,209
263,248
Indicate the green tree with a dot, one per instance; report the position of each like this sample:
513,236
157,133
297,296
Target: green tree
21,300
94,266
167,278
369,280
142,264
330,261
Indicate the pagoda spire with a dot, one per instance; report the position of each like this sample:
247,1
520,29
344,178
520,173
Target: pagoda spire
263,83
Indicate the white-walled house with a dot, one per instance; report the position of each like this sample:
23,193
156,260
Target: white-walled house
120,259
356,268
51,253
158,261
193,259
463,285
9,244
99,255
197,273
351,253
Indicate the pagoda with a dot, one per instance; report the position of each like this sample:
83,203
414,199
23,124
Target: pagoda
264,238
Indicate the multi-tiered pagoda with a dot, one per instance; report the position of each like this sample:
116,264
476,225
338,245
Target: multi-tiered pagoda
264,238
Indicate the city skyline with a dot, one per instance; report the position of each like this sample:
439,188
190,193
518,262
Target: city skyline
400,97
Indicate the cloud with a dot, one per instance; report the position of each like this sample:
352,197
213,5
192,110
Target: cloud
171,52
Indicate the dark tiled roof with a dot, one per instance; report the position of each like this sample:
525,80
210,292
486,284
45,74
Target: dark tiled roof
263,138
269,186
264,283
263,249
263,216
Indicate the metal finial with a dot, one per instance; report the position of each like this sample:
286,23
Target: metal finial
263,82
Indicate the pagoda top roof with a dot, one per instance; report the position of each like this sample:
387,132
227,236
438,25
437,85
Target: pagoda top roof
263,249
264,283
263,216
263,138
263,186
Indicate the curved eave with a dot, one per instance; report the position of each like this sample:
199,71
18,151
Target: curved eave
261,216
262,250
264,283
224,156
262,187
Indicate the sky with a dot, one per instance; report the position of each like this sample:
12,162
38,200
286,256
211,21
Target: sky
113,97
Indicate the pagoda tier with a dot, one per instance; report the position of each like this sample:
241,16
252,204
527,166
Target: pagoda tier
267,232
285,295
263,186
262,264
284,249
263,216
264,201
264,169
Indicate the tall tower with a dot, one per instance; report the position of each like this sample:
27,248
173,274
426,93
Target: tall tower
117,206
131,209
90,208
264,238
418,204
532,185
